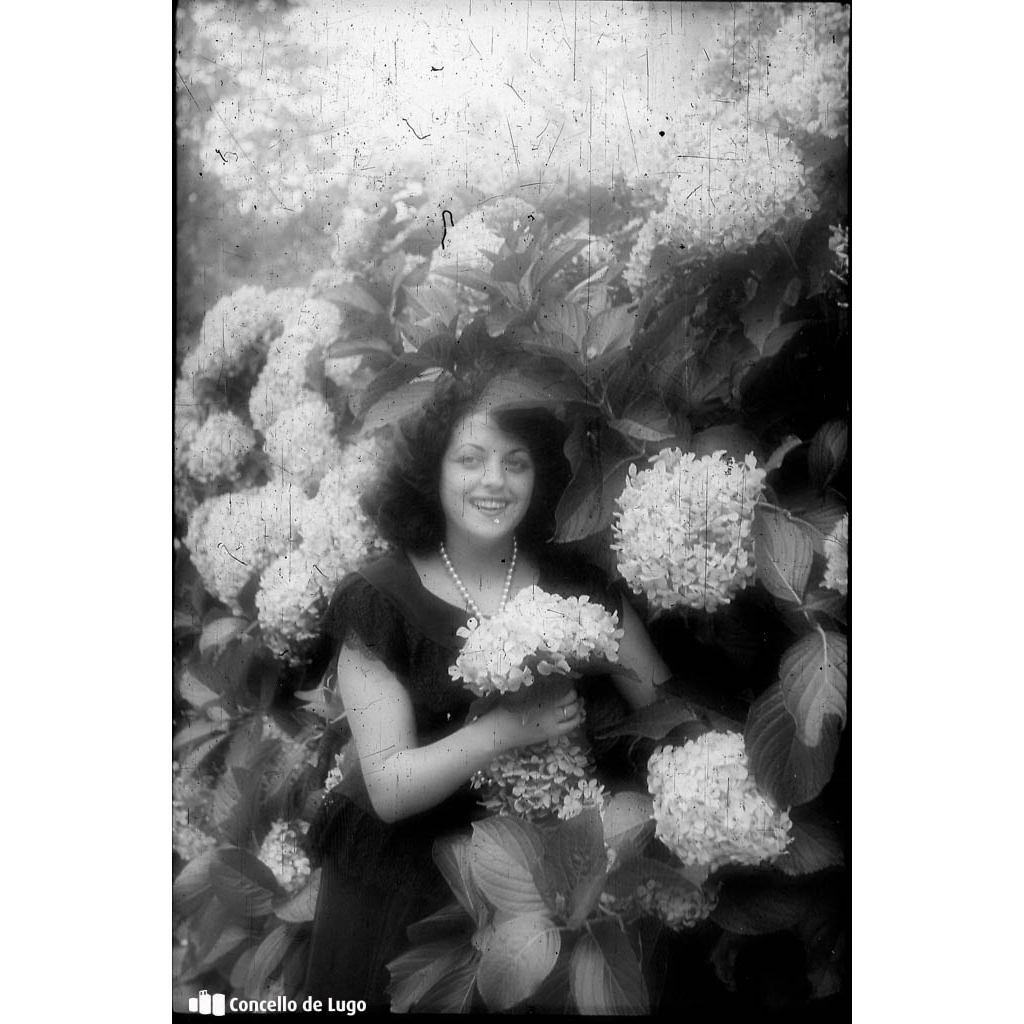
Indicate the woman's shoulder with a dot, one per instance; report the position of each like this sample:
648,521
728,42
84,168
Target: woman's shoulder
387,594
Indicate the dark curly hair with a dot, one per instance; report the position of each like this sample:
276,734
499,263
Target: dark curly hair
405,503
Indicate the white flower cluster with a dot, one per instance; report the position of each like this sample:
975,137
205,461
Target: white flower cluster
683,528
535,631
837,556
218,448
733,184
232,537
282,853
282,383
791,73
189,806
232,334
707,807
289,602
300,443
547,779
679,906
337,536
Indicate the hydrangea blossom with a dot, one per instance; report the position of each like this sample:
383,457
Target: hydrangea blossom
790,73
336,533
219,448
535,632
300,444
733,184
231,335
683,528
231,537
707,808
283,854
290,601
679,906
283,382
837,556
547,779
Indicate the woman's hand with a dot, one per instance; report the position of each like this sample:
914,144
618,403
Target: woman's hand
551,712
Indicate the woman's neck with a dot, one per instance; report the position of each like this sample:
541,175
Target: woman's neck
479,561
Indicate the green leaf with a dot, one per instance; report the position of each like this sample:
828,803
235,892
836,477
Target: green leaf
731,438
396,404
788,771
783,553
628,822
813,678
192,888
222,631
623,882
454,992
813,847
773,294
575,851
505,856
558,317
555,256
788,443
350,294
195,692
324,702
600,462
514,390
227,942
781,336
640,431
822,511
243,883
266,959
453,856
415,973
828,452
515,958
759,906
449,922
605,975
655,721
609,331
196,731
302,906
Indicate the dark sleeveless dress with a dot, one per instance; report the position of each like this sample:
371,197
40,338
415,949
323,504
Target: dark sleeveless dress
378,878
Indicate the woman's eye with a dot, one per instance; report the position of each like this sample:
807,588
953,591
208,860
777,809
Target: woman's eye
517,465
469,460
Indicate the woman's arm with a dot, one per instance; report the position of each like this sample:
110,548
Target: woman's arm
638,654
402,778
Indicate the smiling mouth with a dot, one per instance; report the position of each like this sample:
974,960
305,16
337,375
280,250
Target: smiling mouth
490,508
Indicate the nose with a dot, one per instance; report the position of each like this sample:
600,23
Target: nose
494,472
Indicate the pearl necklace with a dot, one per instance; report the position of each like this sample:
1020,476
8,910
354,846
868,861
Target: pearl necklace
471,605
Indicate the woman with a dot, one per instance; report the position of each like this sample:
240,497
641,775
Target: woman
469,502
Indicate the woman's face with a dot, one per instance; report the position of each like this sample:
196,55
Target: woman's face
487,479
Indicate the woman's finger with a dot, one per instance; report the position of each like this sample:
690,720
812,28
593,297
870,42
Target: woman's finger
568,697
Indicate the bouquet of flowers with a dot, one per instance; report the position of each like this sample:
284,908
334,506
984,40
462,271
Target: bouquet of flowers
537,634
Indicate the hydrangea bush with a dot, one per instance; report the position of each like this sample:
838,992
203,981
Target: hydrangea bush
681,302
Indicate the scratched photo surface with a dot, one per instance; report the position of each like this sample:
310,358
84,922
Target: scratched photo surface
565,286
